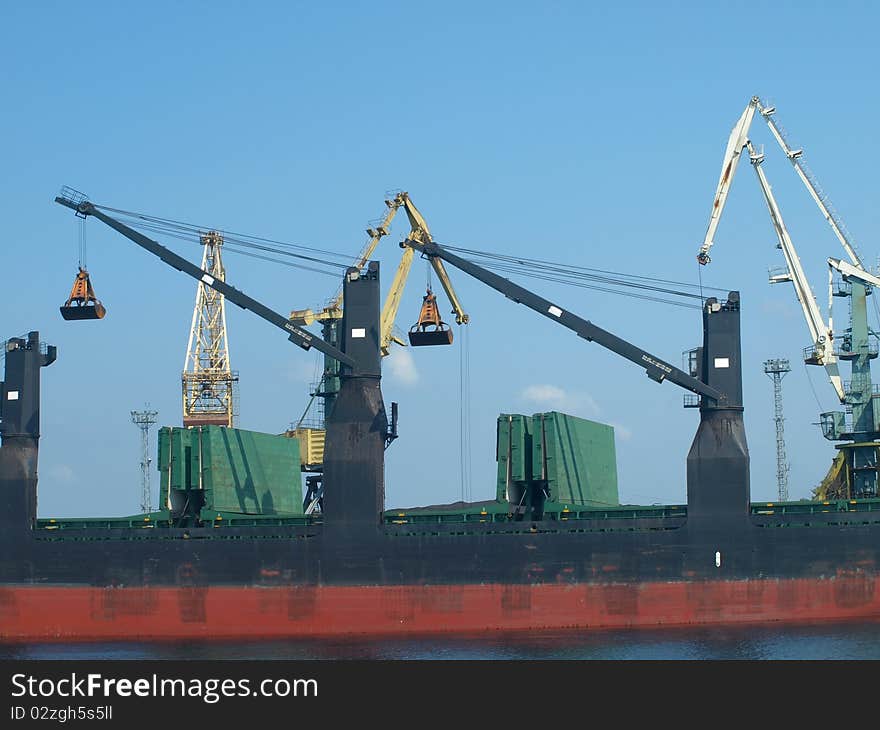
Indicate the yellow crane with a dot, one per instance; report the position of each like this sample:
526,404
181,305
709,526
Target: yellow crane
419,232
311,440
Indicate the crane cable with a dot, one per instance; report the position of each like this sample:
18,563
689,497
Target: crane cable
464,416
332,263
700,278
81,244
600,279
240,243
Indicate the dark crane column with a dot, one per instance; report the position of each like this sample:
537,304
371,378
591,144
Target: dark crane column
20,428
357,424
718,486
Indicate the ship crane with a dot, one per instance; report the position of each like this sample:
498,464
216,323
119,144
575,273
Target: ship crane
300,337
656,368
362,368
719,454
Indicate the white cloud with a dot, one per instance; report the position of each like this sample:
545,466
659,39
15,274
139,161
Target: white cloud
552,397
304,371
61,473
621,432
545,394
401,366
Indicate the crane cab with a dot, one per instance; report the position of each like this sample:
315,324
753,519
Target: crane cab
82,302
429,330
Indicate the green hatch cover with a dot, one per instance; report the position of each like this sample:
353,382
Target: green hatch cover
238,471
573,457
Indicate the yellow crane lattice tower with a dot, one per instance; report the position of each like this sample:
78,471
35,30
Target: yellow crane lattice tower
210,386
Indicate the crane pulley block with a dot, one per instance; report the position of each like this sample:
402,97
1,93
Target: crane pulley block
82,303
430,330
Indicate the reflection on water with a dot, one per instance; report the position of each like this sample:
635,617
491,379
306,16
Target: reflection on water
824,641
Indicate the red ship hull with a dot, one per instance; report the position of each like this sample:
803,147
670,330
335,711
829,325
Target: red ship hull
31,613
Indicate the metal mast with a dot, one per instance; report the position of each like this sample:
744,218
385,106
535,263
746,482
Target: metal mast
210,387
143,420
777,369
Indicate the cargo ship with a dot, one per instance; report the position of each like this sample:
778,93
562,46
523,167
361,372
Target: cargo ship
228,557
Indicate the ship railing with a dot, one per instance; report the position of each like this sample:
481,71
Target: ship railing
110,523
806,507
844,351
850,387
162,521
622,512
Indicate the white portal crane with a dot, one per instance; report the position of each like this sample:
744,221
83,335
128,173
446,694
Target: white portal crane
859,423
821,332
739,138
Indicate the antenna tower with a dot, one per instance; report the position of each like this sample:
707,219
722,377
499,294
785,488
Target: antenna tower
143,420
777,369
210,388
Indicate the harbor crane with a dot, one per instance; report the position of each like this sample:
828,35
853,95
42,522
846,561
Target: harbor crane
419,232
822,350
311,436
861,476
329,315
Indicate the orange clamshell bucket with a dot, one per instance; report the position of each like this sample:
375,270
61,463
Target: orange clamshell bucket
82,303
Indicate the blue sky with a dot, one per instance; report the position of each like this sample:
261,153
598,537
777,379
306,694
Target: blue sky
583,133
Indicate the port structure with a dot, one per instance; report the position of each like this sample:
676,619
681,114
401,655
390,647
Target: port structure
210,386
359,430
855,472
777,370
311,433
144,420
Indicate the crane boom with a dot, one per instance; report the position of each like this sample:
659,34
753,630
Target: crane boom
822,333
655,368
822,352
848,270
333,310
738,139
419,232
298,336
794,156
